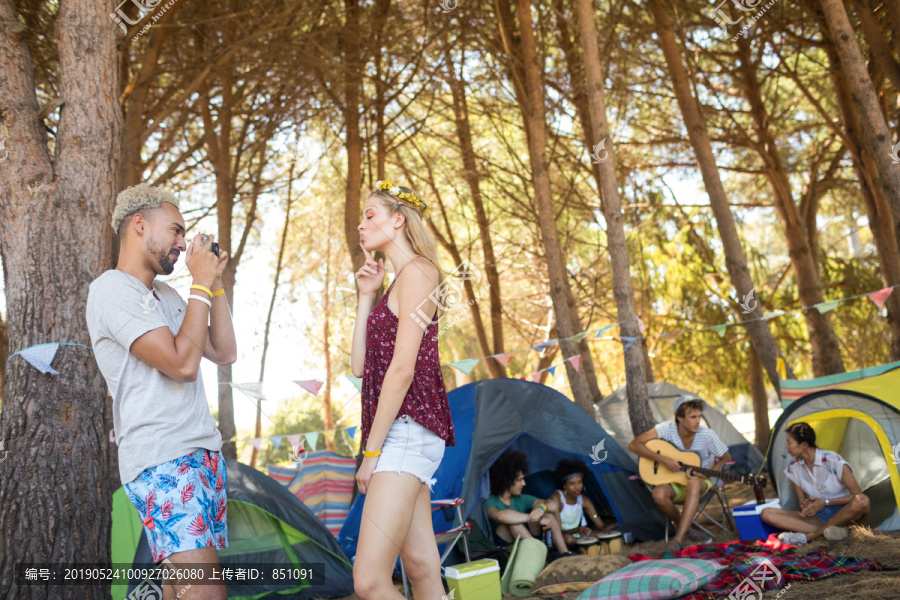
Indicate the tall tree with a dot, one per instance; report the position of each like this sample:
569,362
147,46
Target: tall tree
638,405
735,259
56,199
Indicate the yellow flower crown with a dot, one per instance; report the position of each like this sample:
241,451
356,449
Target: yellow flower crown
409,197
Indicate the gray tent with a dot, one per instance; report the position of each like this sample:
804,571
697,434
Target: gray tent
612,414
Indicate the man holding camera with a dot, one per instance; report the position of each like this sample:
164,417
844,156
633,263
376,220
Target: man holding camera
148,343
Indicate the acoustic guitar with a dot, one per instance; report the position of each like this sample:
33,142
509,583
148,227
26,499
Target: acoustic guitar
655,473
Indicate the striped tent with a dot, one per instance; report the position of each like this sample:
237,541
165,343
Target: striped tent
324,483
855,381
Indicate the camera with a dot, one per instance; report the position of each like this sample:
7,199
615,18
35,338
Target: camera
215,248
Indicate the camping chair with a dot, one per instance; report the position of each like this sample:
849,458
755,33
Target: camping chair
715,492
449,537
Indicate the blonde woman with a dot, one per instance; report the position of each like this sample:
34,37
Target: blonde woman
405,414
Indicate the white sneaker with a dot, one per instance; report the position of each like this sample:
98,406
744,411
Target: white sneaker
835,533
793,538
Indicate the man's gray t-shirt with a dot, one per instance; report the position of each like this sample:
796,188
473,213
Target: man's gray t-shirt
156,418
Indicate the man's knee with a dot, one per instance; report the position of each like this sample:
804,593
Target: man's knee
662,494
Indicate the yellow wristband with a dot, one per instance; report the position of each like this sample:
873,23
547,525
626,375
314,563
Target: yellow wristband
542,507
219,293
203,289
368,454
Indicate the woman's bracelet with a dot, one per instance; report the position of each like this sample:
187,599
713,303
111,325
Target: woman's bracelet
200,299
203,289
368,454
543,507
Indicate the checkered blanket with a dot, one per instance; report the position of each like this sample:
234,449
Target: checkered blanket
753,567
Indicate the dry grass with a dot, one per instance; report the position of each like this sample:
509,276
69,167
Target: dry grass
862,543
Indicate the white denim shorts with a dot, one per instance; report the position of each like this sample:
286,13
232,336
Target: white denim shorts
411,448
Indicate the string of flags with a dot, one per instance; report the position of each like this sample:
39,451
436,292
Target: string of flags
297,440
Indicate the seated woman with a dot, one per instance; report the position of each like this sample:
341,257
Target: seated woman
830,498
570,476
514,514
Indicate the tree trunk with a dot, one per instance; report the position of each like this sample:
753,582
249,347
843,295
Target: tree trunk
638,405
735,259
352,70
876,134
535,124
56,495
760,401
328,416
826,350
473,180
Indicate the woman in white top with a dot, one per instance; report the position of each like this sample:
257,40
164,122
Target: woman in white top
830,498
570,476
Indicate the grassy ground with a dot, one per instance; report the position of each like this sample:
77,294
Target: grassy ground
863,543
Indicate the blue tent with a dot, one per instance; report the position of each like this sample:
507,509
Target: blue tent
497,414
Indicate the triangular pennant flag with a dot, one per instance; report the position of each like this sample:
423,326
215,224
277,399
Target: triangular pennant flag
540,347
824,307
579,336
503,359
112,436
329,436
294,440
640,324
345,437
312,439
310,385
351,431
552,370
466,365
356,381
536,377
257,443
603,329
720,329
781,368
880,297
772,315
276,441
41,356
576,362
629,341
253,390
669,337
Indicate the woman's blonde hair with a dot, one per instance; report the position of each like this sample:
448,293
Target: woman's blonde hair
423,242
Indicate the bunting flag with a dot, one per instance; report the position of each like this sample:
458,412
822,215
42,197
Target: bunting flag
552,370
604,329
629,341
781,367
351,431
772,315
536,377
310,385
579,336
112,436
824,307
356,381
576,362
543,345
669,337
257,443
253,390
329,436
40,357
294,441
465,366
640,324
346,438
880,297
276,441
503,359
312,438
720,329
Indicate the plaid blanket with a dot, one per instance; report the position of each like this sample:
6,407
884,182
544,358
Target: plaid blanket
753,567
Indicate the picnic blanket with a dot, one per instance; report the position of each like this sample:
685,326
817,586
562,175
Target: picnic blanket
753,567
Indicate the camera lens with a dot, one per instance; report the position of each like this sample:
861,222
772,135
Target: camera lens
215,248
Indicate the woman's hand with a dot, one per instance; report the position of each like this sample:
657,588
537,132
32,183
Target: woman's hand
811,506
536,515
545,523
585,531
370,276
364,475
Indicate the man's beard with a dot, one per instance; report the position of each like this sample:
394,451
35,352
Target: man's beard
162,256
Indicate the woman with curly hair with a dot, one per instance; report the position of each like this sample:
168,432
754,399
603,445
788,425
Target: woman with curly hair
513,514
570,476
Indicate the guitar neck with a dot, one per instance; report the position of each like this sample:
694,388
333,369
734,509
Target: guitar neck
710,473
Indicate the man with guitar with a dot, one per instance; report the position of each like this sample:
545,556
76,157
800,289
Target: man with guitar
686,435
